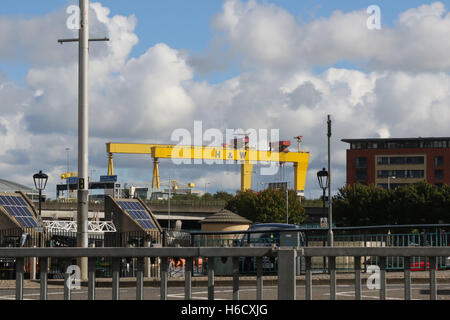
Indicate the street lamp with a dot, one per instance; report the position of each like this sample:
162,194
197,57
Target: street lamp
323,176
389,181
68,170
40,182
172,184
287,203
207,184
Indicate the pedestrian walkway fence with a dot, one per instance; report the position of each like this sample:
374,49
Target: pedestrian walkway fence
286,276
224,266
309,239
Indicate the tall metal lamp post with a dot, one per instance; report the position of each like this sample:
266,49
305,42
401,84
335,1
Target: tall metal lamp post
389,181
40,182
322,176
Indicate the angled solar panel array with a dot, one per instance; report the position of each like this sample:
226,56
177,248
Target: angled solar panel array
18,209
137,211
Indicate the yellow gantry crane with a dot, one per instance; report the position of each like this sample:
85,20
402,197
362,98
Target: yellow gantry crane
68,175
242,155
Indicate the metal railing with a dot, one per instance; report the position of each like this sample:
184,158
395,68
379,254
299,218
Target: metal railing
429,253
287,267
116,254
344,237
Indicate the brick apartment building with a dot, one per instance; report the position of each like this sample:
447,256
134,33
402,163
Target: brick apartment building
396,162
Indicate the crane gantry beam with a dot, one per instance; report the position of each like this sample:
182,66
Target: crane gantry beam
245,157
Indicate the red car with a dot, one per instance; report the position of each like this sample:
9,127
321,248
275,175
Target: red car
419,266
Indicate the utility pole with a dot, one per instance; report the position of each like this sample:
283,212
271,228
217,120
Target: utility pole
83,130
287,204
68,170
330,210
168,212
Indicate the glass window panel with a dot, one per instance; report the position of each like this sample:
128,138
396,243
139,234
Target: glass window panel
144,215
16,201
139,206
22,202
17,212
439,174
33,223
397,160
137,215
361,162
23,212
383,160
12,200
123,204
9,201
142,223
21,221
415,160
361,175
26,223
133,214
439,161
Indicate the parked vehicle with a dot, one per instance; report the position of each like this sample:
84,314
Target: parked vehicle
420,266
272,234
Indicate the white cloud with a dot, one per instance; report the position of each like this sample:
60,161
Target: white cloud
266,36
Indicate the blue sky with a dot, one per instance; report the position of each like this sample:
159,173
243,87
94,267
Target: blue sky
186,24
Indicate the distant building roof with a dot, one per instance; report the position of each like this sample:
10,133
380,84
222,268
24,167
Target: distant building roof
226,216
9,187
396,139
399,143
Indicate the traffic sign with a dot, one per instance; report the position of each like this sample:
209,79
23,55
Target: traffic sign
108,179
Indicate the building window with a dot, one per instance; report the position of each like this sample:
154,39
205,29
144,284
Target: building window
402,174
397,160
416,174
361,163
400,160
438,174
415,160
439,161
361,175
391,185
383,160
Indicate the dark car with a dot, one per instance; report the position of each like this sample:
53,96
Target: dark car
278,234
268,235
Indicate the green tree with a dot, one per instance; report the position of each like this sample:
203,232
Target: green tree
190,196
268,206
412,204
221,195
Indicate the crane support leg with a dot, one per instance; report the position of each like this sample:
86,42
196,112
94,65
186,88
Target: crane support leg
110,164
155,174
299,176
246,176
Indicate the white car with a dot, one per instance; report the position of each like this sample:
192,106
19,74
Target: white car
447,262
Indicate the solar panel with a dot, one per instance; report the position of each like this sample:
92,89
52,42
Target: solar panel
18,209
137,211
